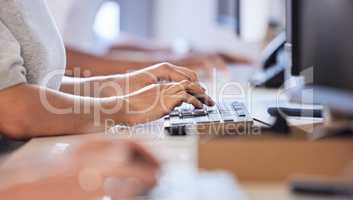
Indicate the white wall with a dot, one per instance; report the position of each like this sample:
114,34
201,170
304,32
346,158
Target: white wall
60,10
195,21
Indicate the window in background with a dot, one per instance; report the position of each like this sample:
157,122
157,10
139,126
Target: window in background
107,22
137,17
229,14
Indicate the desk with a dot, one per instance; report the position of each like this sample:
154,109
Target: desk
191,151
270,191
50,164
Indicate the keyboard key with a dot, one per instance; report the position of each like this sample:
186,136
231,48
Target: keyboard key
237,106
174,113
241,113
212,112
227,117
214,117
201,120
199,113
226,112
210,109
176,121
188,120
186,114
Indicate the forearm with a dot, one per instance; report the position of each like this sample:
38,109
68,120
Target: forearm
44,112
92,65
107,86
97,86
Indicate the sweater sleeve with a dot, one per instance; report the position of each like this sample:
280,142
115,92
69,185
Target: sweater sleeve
12,70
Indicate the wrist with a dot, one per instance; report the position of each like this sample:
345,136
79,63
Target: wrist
142,78
111,86
116,110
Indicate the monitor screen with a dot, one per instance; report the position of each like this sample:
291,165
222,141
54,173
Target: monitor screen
292,12
321,33
289,20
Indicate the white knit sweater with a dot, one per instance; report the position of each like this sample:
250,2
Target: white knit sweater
31,49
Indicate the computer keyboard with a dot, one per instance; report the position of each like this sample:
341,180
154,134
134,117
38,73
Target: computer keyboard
224,118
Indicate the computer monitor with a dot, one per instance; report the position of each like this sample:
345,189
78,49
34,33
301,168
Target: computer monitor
321,37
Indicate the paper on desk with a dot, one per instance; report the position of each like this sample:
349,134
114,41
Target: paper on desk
188,184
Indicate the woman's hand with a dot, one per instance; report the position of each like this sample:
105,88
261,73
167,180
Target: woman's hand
89,168
119,168
157,100
131,82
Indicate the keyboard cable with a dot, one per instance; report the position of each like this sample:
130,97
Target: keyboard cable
262,122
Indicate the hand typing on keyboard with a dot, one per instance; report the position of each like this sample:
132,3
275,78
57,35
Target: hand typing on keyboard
155,101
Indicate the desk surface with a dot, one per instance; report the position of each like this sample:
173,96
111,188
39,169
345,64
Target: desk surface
273,190
183,149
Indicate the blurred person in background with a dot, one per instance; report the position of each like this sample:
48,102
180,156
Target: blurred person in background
76,19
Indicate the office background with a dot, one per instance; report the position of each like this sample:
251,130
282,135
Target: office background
182,22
